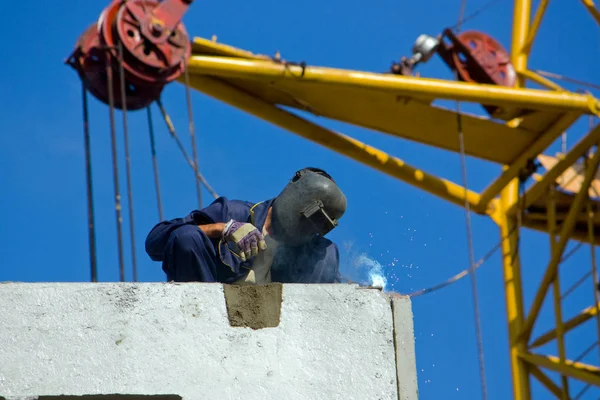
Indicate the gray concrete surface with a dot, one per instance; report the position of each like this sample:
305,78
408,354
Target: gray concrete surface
404,339
326,342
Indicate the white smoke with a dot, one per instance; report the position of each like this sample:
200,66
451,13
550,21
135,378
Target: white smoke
358,267
374,270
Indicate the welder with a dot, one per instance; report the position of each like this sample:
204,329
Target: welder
237,242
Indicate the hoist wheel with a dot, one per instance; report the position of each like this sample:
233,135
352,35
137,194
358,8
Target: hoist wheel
90,61
151,55
489,54
143,38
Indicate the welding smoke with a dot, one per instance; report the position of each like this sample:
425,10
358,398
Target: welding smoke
358,267
374,269
355,267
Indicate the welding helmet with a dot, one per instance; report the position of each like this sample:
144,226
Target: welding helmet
309,206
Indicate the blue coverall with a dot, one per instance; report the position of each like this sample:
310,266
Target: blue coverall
188,255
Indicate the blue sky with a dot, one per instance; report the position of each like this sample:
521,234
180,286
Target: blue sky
418,239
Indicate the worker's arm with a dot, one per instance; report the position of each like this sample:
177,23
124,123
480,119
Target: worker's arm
213,231
208,220
156,241
211,220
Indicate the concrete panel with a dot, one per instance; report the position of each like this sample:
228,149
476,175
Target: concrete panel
404,339
327,342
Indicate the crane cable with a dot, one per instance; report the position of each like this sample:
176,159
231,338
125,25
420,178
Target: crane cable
464,272
154,163
173,133
474,14
472,272
472,268
89,185
122,84
115,162
188,98
482,260
566,79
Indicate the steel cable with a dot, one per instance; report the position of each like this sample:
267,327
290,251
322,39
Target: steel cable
472,272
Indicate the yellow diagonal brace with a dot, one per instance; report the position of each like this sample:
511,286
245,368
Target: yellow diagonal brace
568,325
583,372
535,25
537,189
544,380
565,233
541,143
335,141
560,328
403,85
589,4
537,78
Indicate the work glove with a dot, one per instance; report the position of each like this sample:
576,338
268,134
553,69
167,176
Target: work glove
246,237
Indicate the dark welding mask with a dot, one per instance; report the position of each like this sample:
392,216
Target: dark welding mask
309,206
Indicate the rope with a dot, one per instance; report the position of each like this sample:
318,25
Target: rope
88,176
465,272
173,134
483,259
582,391
472,259
566,79
472,271
474,14
188,98
585,352
154,163
113,137
575,285
586,387
127,162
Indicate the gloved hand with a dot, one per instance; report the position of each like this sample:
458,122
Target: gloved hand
246,237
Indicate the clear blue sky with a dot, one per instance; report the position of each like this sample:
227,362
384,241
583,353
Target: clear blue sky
419,239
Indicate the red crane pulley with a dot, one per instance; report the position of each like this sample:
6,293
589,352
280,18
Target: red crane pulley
144,37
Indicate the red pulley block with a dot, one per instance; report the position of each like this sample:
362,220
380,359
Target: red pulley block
90,61
484,55
155,47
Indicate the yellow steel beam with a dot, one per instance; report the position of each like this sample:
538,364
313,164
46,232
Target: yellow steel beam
272,71
535,25
581,371
591,238
337,142
509,231
544,380
560,331
568,325
512,171
580,235
203,46
537,189
565,233
509,228
589,4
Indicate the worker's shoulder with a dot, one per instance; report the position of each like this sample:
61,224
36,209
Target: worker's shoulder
232,202
243,203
